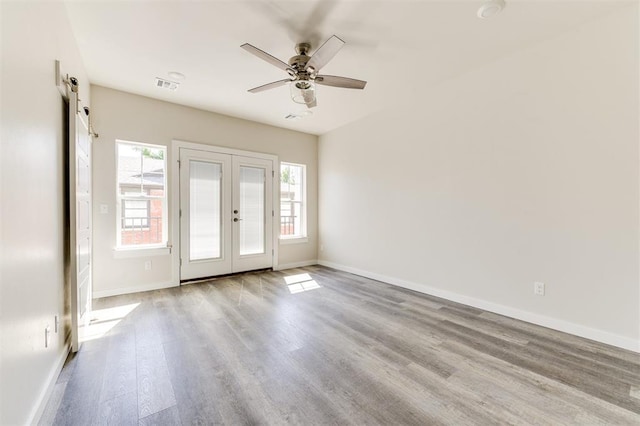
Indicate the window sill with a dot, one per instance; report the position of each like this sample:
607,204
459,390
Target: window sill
296,240
124,253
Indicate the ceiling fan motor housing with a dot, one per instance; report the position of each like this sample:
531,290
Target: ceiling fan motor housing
299,62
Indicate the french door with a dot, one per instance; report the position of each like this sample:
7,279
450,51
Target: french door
225,213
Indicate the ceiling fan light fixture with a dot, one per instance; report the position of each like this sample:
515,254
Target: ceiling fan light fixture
303,91
491,8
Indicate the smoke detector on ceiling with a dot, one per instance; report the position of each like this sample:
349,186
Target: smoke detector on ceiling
166,84
491,8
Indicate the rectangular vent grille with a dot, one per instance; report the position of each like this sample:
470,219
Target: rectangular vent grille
166,84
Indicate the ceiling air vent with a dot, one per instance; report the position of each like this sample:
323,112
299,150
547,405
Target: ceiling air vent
298,115
166,84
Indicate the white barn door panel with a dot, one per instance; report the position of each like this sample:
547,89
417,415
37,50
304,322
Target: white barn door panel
79,222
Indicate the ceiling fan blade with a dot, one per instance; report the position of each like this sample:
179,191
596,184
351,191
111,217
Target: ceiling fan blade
336,81
266,57
269,86
325,53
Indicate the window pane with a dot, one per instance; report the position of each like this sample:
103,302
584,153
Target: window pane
291,182
251,210
140,169
204,210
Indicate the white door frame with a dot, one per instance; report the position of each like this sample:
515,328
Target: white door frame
174,197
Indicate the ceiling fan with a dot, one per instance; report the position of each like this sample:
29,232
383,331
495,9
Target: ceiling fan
303,71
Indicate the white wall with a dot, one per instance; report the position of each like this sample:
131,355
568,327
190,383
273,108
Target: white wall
32,285
523,170
120,115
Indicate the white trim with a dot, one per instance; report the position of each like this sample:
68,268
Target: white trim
294,240
43,400
295,265
174,209
638,235
543,320
123,253
221,150
135,289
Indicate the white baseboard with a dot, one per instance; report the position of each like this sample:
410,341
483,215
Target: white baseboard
42,401
543,320
97,294
295,265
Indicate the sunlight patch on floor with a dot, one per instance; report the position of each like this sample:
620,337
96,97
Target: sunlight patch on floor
293,279
301,282
103,320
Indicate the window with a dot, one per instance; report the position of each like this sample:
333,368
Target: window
142,198
293,210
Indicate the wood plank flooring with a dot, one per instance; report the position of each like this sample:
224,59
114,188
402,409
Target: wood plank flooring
333,348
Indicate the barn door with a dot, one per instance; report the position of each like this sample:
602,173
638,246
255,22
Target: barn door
79,221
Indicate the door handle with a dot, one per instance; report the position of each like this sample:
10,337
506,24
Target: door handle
235,219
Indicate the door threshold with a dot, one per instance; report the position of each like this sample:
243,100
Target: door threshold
218,277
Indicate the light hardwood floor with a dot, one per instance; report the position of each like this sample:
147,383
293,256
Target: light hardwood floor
246,350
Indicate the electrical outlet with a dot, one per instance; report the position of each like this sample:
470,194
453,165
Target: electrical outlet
147,265
47,332
538,289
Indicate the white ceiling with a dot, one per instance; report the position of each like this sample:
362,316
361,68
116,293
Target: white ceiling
394,45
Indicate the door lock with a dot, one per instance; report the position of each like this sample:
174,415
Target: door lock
235,212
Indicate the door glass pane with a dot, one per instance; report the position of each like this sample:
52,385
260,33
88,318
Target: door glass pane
251,210
204,210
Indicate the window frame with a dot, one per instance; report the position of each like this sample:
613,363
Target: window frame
121,198
302,236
